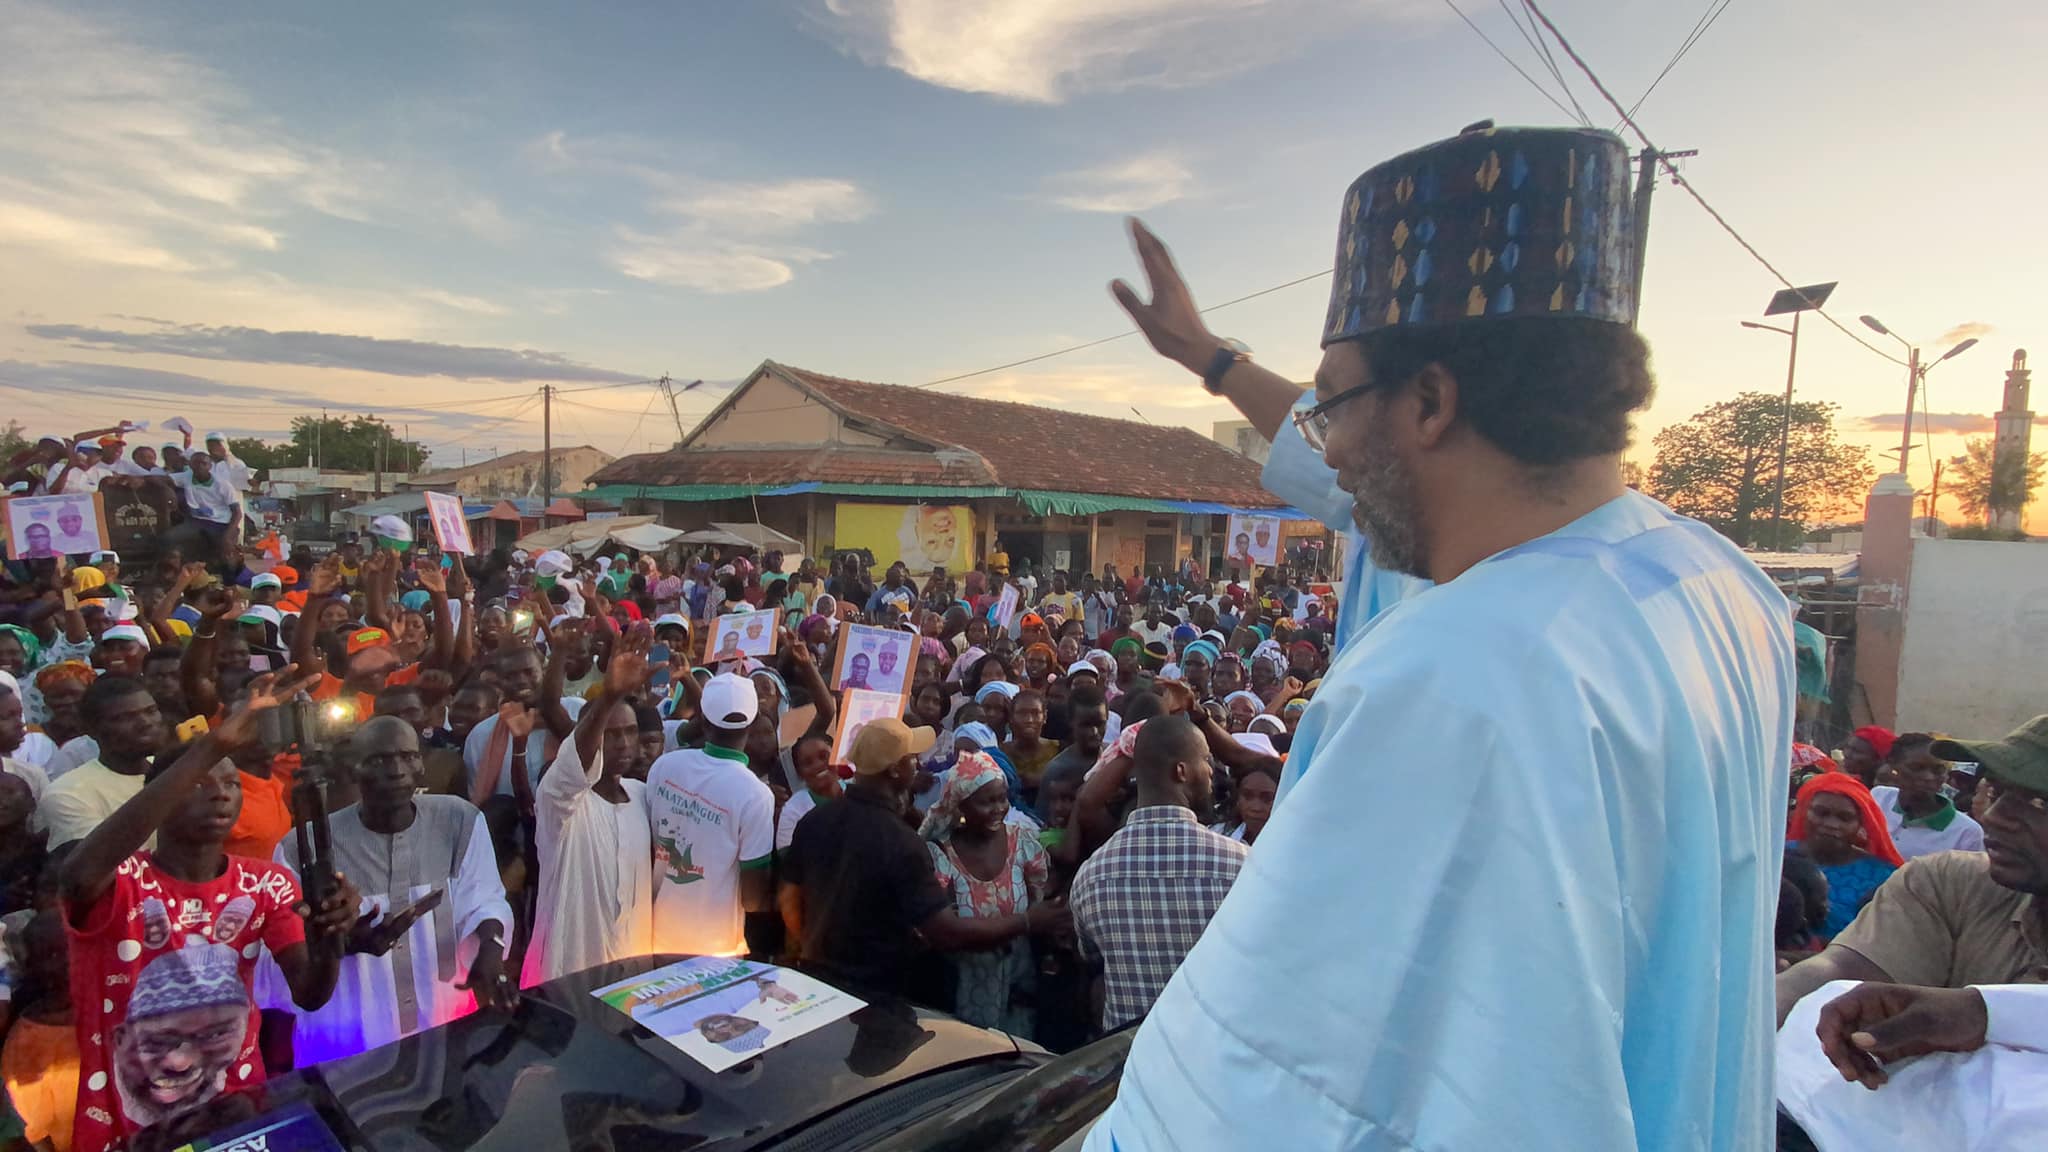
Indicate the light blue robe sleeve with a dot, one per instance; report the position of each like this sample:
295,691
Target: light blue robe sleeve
1297,474
1426,950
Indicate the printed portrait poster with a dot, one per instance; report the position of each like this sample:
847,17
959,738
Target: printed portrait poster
856,709
1004,609
721,1012
921,536
1254,541
451,531
743,634
45,527
875,659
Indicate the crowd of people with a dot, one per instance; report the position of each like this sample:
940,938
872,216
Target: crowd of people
539,770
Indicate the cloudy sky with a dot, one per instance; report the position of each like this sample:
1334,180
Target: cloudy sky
241,212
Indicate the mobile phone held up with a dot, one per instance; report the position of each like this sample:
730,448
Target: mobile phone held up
658,656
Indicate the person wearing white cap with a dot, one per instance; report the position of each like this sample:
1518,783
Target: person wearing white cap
213,503
713,823
226,463
265,588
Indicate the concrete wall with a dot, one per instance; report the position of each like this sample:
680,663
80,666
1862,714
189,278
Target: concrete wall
1975,658
773,412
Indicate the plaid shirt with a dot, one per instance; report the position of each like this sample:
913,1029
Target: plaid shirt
1142,901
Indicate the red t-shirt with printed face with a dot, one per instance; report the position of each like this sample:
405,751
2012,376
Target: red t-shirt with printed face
183,957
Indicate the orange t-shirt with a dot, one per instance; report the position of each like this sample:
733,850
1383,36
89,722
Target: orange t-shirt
266,817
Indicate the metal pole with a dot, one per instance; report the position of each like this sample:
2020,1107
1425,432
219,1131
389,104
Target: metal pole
1646,182
1912,391
547,445
1785,432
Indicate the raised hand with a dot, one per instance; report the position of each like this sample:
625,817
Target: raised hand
432,579
799,652
267,691
517,719
627,672
326,577
1170,321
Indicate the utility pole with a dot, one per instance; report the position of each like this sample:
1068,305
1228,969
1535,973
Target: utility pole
547,445
1785,432
1646,182
1912,394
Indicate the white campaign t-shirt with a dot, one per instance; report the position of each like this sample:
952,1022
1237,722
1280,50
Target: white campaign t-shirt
1958,834
711,817
214,501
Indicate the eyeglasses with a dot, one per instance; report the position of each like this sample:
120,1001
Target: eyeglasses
1314,423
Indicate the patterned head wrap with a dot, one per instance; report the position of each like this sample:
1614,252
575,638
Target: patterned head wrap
31,648
973,772
64,670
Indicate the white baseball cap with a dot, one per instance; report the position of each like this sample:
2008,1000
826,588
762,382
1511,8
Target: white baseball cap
265,580
1084,668
730,702
125,632
392,528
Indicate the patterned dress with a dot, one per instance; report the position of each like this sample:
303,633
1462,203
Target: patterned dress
987,980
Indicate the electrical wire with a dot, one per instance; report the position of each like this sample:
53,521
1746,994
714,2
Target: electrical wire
1118,336
1540,89
1699,29
1550,61
1678,179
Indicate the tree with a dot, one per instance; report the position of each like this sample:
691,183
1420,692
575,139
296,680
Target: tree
13,439
260,455
1981,485
1721,466
352,445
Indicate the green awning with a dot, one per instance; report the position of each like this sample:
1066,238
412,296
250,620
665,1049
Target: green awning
1087,504
1040,503
669,492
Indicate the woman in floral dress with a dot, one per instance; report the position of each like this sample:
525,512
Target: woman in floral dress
991,867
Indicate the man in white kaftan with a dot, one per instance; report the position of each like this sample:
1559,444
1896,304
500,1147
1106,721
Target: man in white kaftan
1574,951
437,968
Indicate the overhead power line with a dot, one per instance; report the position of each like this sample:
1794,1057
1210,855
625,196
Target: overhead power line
1699,29
1678,179
1540,89
1119,336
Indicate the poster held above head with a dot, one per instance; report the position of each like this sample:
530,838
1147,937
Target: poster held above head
451,530
1004,609
878,659
857,708
45,527
742,634
1253,541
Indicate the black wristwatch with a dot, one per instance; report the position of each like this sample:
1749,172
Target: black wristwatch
1228,353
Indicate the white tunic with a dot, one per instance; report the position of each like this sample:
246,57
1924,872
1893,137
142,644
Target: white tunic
379,999
596,901
1575,953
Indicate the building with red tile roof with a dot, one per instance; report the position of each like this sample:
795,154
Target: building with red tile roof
790,447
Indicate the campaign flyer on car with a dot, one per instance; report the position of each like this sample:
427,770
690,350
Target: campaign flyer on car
294,1128
721,1012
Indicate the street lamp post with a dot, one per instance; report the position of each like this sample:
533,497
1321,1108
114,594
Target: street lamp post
1795,301
1915,373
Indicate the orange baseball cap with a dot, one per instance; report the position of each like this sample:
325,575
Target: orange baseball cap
363,638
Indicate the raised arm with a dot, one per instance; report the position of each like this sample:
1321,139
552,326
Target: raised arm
88,871
436,585
806,668
326,577
552,713
198,670
465,629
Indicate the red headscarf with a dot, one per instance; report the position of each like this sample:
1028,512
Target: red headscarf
1879,739
1877,837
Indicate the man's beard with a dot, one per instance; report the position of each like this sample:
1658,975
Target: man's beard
1383,506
